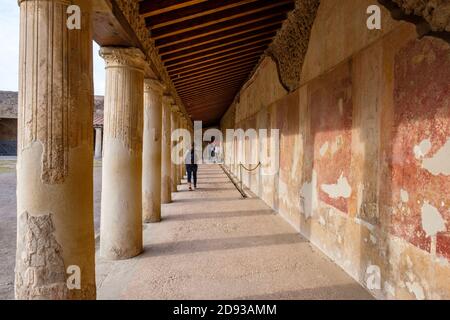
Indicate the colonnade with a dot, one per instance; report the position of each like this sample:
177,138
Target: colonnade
55,232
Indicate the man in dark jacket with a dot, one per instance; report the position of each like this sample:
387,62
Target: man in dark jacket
191,167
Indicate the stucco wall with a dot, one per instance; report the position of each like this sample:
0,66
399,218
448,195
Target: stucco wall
364,150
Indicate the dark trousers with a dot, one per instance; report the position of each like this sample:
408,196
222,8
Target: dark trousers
191,170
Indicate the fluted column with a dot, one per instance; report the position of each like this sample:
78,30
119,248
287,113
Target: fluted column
166,163
121,212
55,231
151,170
174,126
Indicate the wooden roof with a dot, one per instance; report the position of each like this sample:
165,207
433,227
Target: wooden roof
209,47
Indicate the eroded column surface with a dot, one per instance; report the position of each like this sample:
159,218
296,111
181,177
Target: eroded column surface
151,170
166,163
174,168
121,206
55,231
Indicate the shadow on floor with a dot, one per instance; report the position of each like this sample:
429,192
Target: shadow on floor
217,215
204,245
335,292
211,199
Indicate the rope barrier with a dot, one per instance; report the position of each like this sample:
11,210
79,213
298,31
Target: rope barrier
250,170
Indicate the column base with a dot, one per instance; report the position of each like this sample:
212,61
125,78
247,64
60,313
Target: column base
120,254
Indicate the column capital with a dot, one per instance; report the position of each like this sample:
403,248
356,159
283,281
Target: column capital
175,108
154,85
123,57
168,100
66,2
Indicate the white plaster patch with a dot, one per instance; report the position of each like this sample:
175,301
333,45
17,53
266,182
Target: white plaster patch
373,239
389,289
432,221
422,149
373,277
404,195
309,197
341,189
337,144
323,150
322,221
416,289
283,189
440,162
369,226
360,196
297,152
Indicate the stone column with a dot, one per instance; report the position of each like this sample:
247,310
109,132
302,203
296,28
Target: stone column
55,230
98,142
174,125
181,167
121,212
166,163
151,170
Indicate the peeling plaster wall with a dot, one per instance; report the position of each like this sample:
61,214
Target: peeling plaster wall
435,12
364,150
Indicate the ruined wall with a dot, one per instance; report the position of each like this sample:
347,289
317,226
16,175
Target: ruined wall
364,169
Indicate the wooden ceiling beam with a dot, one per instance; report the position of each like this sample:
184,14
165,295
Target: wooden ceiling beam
202,110
262,17
200,106
217,57
225,37
213,73
215,65
193,12
267,34
212,99
149,8
214,78
190,88
213,88
210,95
217,17
220,80
219,49
207,69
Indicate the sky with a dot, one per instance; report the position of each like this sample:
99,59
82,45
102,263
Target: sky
9,51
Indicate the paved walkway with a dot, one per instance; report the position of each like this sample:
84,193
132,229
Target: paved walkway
212,244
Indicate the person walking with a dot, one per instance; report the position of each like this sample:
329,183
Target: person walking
213,150
191,167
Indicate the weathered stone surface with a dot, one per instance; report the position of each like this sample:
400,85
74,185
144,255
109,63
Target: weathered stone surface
291,43
166,187
421,135
55,152
435,12
363,149
121,227
40,270
151,153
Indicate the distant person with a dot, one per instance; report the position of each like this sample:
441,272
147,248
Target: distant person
191,167
213,150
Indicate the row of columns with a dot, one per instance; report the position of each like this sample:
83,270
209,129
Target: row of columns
55,232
